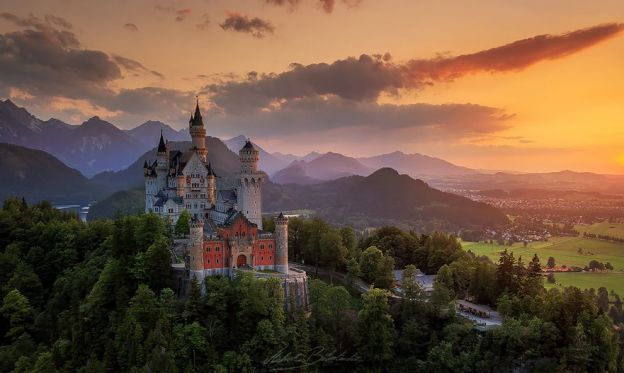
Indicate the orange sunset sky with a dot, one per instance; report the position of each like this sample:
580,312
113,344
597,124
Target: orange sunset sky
502,85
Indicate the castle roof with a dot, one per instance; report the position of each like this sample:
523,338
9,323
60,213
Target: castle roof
161,144
227,195
196,119
248,146
163,200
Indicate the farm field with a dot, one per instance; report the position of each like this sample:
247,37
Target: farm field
586,280
565,252
603,228
563,249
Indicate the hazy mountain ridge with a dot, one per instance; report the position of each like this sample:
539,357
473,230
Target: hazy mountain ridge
37,175
269,163
415,164
149,132
384,196
562,180
90,147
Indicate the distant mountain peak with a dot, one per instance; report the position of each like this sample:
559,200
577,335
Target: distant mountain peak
384,172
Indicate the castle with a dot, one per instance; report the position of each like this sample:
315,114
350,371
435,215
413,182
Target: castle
226,235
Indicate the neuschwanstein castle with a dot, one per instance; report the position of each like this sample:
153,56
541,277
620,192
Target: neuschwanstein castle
226,233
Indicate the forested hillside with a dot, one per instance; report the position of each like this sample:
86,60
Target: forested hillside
98,297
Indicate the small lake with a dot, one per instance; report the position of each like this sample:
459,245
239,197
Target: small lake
82,210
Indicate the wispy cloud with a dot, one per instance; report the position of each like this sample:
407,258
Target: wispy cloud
255,26
131,26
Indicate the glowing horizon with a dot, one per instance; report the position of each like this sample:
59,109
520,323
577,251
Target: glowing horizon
495,85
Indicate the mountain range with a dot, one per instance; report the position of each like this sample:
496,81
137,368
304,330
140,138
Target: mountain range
384,197
97,145
91,147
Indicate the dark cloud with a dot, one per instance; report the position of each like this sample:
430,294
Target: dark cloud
135,66
131,27
180,13
242,23
366,77
510,57
359,79
291,4
349,118
48,62
328,5
205,22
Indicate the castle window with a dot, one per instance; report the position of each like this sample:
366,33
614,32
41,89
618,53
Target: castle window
217,248
270,246
217,261
171,211
270,257
156,209
261,247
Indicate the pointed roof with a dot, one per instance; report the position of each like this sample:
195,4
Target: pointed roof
161,144
249,145
196,119
281,215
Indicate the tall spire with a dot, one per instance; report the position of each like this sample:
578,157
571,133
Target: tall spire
161,144
197,117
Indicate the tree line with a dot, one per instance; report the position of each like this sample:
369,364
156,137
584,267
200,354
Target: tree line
97,297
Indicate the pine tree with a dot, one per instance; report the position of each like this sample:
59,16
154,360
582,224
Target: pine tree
193,306
375,330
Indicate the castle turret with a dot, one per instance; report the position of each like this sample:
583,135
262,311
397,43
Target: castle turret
151,186
198,134
211,185
281,243
197,250
249,191
162,166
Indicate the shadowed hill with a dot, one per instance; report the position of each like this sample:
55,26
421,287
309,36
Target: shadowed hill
386,195
37,175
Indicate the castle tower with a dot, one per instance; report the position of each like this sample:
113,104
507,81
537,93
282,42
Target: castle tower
197,250
150,186
249,191
198,134
180,184
212,185
281,243
162,163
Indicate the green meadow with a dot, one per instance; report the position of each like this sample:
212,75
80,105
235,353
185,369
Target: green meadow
587,280
565,252
603,228
563,249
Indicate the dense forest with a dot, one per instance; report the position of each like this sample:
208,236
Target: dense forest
97,297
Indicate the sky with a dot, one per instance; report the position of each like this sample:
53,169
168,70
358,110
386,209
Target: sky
527,85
